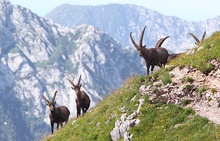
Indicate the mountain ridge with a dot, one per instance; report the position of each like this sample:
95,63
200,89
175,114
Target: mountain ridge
119,20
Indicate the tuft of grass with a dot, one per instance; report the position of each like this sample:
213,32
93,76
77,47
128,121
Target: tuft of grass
155,90
200,90
187,79
213,90
186,102
188,88
163,75
203,89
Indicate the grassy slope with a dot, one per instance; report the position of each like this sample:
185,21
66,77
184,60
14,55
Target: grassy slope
200,59
158,122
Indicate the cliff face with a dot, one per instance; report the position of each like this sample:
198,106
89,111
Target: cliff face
36,58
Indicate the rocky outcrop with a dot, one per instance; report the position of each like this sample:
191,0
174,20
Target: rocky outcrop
124,123
190,88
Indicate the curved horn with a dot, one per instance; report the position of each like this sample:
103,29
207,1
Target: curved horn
160,42
47,101
79,80
54,96
203,37
141,37
197,40
71,82
133,42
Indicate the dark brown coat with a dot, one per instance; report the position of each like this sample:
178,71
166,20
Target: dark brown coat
82,99
57,114
153,56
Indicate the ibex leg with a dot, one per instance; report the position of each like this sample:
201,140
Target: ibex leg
78,111
51,125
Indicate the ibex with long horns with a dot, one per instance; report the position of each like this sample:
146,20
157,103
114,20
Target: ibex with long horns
198,42
82,99
153,56
57,114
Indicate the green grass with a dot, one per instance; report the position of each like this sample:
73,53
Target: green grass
187,79
165,122
161,74
173,123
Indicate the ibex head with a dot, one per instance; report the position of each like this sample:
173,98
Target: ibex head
77,87
51,104
140,46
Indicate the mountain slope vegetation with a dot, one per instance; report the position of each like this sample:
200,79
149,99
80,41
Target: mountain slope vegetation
158,121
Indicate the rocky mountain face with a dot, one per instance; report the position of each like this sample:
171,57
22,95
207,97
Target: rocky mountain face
192,89
36,58
119,20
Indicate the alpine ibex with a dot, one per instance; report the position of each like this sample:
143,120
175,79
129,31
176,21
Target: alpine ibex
198,42
153,56
82,99
57,114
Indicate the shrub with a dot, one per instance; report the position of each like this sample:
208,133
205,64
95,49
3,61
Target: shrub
213,90
186,102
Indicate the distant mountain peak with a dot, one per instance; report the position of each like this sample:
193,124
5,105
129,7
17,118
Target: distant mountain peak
118,20
5,1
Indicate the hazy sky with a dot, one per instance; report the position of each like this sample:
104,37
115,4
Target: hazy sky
187,9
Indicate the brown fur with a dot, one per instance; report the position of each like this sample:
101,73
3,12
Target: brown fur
57,114
82,99
153,56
